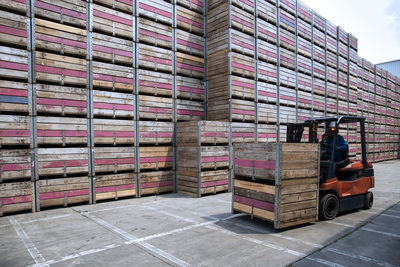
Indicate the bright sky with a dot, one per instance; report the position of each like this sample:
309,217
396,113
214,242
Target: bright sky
375,23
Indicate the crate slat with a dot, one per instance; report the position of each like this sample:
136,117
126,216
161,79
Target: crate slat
123,5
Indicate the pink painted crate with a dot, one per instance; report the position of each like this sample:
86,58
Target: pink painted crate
303,114
199,158
154,33
15,164
266,92
266,133
331,29
353,42
353,69
319,86
287,96
190,88
331,44
288,5
319,22
240,65
113,104
304,99
189,20
304,65
14,97
287,114
319,70
319,102
304,12
156,157
267,112
155,133
304,29
13,63
343,50
287,59
331,105
156,58
287,20
239,42
113,132
17,6
114,159
112,49
342,78
113,77
304,47
157,10
16,196
187,110
248,5
243,132
342,92
288,77
266,11
319,38
114,186
195,5
332,74
266,31
155,83
223,109
343,65
353,82
190,43
343,109
304,82
352,109
156,182
319,54
267,72
353,56
189,65
287,39
343,37
14,29
332,89
266,51
198,133
155,108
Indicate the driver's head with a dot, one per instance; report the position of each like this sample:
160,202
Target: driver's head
332,129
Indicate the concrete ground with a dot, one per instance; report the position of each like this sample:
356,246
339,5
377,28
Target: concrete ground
181,231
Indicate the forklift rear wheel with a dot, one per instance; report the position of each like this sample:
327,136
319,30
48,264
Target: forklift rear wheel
328,207
368,200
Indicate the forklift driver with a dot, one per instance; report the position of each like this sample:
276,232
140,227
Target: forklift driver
341,147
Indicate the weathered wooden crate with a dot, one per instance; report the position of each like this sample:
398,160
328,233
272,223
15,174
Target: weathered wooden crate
266,31
154,33
190,43
236,87
243,132
61,131
304,82
353,56
319,22
343,37
267,51
156,157
304,65
304,47
342,79
287,96
114,159
155,108
287,77
126,6
319,70
319,54
155,133
157,10
288,5
60,69
331,29
245,5
14,97
266,11
187,110
61,100
200,183
63,191
156,182
62,161
235,63
114,186
287,59
62,11
304,30
277,182
17,6
16,196
14,130
223,109
287,39
13,63
331,44
155,83
343,50
304,99
331,60
303,115
287,114
59,38
113,77
15,164
197,133
218,42
189,65
113,132
266,92
189,88
343,108
189,20
319,38
113,104
266,133
113,22
197,6
267,72
319,86
287,20
318,102
197,158
112,49
14,29
155,58
343,65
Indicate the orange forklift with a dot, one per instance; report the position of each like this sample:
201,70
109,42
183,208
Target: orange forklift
344,184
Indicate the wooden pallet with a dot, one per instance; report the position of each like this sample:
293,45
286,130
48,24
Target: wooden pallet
197,6
293,197
16,196
155,34
15,164
243,132
64,191
195,133
266,11
304,82
304,47
14,130
13,29
266,133
222,109
112,49
60,39
200,183
155,108
189,43
114,186
113,22
113,104
198,158
189,65
156,182
126,6
62,11
14,97
157,10
266,31
13,63
155,58
156,157
267,72
189,20
114,159
113,77
155,83
155,133
187,110
237,87
113,132
62,131
190,88
60,69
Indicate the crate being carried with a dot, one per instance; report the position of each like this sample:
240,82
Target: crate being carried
277,182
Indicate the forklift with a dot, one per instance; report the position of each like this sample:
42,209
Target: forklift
344,185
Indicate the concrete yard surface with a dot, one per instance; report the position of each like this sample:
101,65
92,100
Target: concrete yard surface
176,230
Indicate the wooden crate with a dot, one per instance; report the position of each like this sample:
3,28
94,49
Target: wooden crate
16,196
287,96
304,100
64,191
14,97
157,10
287,59
343,36
200,183
14,130
319,86
155,34
156,182
62,161
189,43
113,104
155,83
343,65
60,69
218,42
343,50
266,92
245,5
155,58
197,6
189,110
287,77
304,82
17,6
266,11
292,198
113,77
112,49
156,157
319,54
155,108
14,29
155,133
236,87
304,47
331,60
304,30
288,5
62,131
319,38
267,72
266,51
114,159
243,132
189,65
13,63
113,132
266,31
222,109
287,114
113,22
60,39
303,115
304,65
126,6
287,20
319,22
331,29
319,70
190,88
318,102
287,39
196,133
69,12
235,63
189,20
15,164
114,186
331,44
342,79
266,133
197,158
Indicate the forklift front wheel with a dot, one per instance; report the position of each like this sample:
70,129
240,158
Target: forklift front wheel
328,207
368,200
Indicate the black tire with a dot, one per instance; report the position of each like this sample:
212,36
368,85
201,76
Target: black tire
328,207
368,200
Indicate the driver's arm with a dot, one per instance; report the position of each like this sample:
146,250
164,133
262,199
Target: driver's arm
342,145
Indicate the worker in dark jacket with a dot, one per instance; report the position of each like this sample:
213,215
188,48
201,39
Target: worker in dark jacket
341,146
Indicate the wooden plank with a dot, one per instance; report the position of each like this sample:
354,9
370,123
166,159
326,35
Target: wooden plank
13,29
254,194
113,104
156,182
156,108
262,214
14,130
126,6
15,164
151,132
189,110
113,132
114,186
253,186
157,10
18,6
113,77
190,88
112,49
13,63
16,196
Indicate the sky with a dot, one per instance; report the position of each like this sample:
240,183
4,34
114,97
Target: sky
375,23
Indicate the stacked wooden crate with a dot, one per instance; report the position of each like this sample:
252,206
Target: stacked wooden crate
203,164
